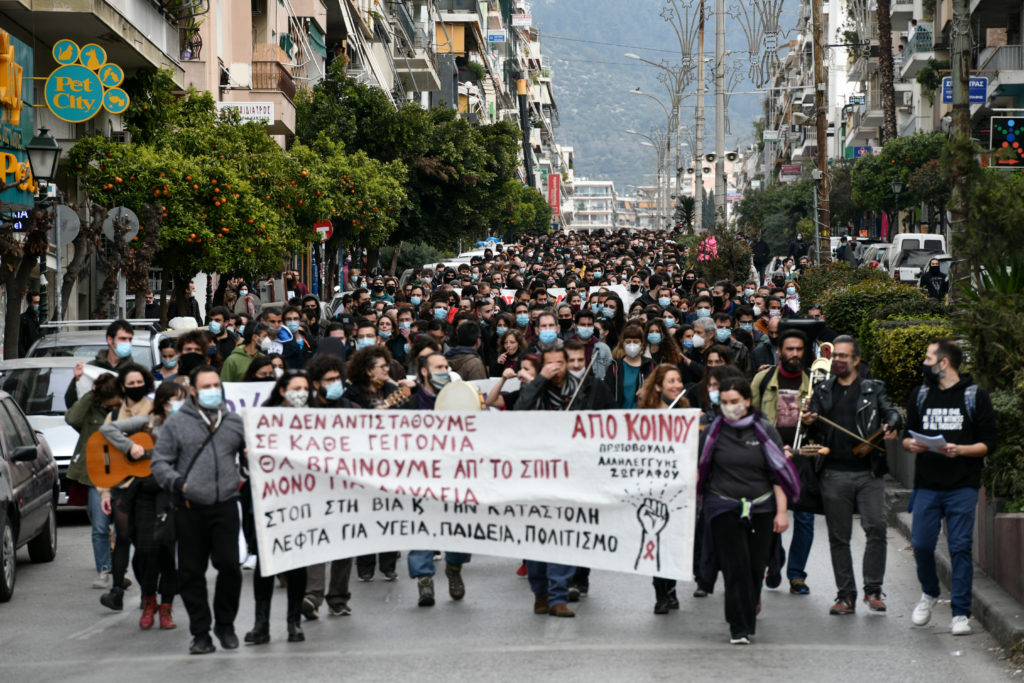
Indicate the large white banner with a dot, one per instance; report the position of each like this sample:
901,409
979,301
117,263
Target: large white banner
609,490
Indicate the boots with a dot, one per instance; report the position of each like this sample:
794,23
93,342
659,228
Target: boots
661,599
260,633
295,634
114,599
148,612
166,621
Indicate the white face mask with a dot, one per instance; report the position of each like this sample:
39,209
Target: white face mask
297,399
632,350
265,344
278,372
578,374
734,411
757,311
698,341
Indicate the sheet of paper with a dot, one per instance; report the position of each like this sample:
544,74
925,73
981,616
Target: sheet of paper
934,443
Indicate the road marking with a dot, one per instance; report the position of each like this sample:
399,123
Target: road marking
100,626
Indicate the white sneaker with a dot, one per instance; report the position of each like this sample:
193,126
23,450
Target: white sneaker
103,581
742,640
961,626
249,563
923,610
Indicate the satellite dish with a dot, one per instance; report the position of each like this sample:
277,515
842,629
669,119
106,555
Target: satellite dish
69,225
121,213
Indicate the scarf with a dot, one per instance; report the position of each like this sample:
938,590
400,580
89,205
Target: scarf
783,469
559,396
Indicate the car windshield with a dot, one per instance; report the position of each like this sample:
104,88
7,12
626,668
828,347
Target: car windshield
39,391
140,354
916,258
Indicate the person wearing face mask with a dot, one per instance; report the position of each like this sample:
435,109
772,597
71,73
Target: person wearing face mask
300,348
629,368
464,357
85,416
218,327
739,351
512,346
860,407
133,506
167,370
196,459
588,332
947,477
29,330
746,482
260,370
255,341
934,282
117,354
292,390
661,346
247,303
547,333
797,248
662,390
792,301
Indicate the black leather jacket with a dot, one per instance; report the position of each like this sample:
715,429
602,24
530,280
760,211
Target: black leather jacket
873,410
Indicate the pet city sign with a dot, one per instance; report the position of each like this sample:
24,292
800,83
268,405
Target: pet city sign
83,83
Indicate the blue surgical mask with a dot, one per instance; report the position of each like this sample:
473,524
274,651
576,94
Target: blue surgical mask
790,291
596,307
722,334
171,363
748,292
292,325
35,307
405,326
654,338
211,398
384,334
215,328
670,323
547,336
501,330
243,292
749,327
123,349
597,273
608,313
364,343
440,313
522,319
176,405
714,395
664,301
334,390
584,333
703,312
687,343
415,300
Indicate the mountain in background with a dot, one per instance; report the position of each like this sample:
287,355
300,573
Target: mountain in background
586,43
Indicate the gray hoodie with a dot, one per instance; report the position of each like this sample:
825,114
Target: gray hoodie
215,476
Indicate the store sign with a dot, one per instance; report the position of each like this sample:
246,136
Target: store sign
859,152
522,20
555,193
1007,140
16,122
497,36
977,89
84,83
251,112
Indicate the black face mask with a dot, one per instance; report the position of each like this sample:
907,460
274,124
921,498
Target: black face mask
931,374
565,324
136,393
187,362
634,288
934,270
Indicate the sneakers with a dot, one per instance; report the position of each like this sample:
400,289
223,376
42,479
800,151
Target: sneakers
561,610
772,579
574,594
739,640
799,587
961,626
103,581
700,593
426,587
390,576
166,620
456,588
202,645
339,610
249,563
874,601
843,606
366,577
540,605
522,570
309,608
923,610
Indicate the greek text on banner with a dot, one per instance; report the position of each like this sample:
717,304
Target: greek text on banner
608,490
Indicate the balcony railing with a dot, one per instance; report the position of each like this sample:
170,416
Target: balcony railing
401,13
1002,58
921,41
272,76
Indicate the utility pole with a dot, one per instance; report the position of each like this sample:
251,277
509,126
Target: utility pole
821,214
698,169
720,191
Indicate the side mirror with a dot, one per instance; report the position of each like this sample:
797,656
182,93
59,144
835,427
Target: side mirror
24,454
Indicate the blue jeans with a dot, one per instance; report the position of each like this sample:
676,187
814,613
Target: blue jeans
421,562
800,545
100,532
551,580
957,507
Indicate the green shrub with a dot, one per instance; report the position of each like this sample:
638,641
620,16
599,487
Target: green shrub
846,306
898,349
732,260
817,280
993,328
413,255
1004,470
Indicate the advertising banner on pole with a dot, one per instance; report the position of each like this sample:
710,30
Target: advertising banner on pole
609,490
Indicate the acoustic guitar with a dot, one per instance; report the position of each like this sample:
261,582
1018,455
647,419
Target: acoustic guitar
108,466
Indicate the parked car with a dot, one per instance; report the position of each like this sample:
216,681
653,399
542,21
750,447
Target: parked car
90,337
37,385
911,252
28,494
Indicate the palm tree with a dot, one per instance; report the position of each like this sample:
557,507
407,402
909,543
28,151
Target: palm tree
685,212
885,71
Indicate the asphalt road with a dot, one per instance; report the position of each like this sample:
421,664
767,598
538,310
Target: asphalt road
54,629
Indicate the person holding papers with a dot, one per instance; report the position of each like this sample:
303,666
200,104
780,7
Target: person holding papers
947,475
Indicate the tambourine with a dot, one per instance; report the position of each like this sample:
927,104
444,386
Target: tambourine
459,395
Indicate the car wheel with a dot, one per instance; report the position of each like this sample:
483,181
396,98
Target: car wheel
43,548
7,567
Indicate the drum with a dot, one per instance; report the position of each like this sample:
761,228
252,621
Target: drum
459,395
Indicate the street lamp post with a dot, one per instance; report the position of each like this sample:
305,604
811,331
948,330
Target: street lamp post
897,187
656,144
44,157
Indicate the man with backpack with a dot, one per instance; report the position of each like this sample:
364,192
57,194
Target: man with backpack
947,475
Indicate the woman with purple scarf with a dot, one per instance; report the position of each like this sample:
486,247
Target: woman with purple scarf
745,481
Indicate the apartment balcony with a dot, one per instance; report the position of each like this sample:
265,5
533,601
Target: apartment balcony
414,56
271,83
920,48
134,33
807,145
901,12
871,110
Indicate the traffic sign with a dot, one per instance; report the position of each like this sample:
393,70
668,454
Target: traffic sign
325,228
